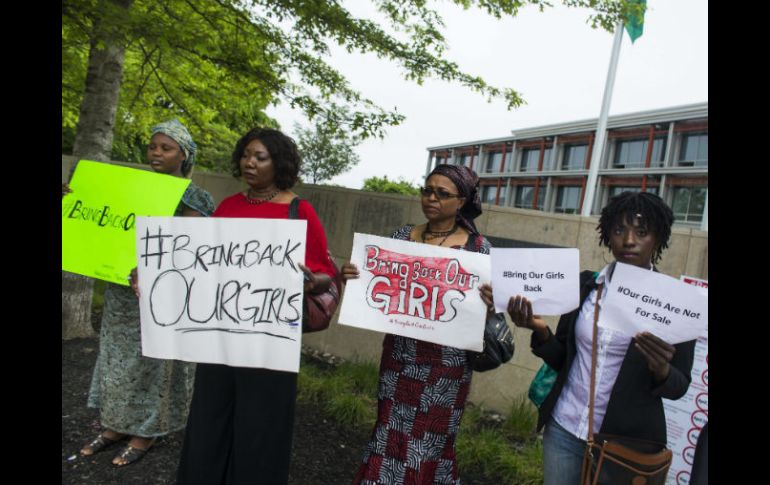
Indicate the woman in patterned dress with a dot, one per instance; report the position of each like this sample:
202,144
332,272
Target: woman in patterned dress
141,398
423,386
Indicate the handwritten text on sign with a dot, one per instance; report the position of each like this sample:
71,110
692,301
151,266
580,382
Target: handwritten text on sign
417,290
549,278
98,217
221,290
642,300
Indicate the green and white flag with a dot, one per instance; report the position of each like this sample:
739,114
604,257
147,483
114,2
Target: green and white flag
634,25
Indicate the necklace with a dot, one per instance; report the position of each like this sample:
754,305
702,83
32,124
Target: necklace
256,201
437,234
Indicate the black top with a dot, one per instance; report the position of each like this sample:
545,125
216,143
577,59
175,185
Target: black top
635,409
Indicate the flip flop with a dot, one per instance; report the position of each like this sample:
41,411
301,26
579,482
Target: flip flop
130,455
100,443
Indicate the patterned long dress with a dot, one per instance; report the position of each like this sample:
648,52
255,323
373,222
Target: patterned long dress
137,395
421,398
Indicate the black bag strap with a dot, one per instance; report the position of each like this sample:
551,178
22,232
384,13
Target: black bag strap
294,208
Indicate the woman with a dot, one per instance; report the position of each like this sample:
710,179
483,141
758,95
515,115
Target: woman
142,398
632,374
423,386
241,419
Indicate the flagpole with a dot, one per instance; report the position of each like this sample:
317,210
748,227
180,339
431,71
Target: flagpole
601,129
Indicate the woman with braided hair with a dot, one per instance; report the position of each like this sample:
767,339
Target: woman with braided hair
632,374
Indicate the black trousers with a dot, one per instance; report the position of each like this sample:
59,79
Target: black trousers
239,430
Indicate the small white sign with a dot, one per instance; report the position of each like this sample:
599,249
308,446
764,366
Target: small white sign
417,290
548,278
221,290
642,300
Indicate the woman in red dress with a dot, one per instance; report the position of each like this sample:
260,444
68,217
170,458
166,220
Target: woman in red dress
241,419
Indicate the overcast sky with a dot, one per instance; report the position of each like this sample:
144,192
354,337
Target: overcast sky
553,59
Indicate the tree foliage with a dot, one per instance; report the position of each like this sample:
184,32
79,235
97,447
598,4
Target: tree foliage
382,184
326,152
216,64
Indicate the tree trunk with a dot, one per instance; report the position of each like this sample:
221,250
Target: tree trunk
93,140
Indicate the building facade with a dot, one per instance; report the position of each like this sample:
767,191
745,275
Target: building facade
663,151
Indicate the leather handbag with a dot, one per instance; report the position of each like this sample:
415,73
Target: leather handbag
498,345
618,460
498,338
318,308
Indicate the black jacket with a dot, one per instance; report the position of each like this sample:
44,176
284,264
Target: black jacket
635,408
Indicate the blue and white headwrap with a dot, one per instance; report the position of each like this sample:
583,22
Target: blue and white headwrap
178,132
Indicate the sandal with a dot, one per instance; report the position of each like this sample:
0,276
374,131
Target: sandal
100,443
131,455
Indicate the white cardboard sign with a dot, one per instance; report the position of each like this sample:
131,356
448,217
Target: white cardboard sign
221,290
686,416
642,300
417,290
548,278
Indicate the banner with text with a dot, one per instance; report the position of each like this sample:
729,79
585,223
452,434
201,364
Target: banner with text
641,300
686,416
417,290
221,290
548,278
98,216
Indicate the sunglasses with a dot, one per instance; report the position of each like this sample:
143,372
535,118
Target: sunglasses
441,194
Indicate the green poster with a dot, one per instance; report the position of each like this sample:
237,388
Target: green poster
99,215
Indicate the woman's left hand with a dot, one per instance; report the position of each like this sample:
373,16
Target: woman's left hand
657,352
486,297
310,280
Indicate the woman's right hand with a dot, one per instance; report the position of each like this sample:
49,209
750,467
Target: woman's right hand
350,272
520,311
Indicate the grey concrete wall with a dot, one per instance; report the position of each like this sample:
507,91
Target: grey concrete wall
345,211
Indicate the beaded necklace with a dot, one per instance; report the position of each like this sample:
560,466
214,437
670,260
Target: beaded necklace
260,201
437,234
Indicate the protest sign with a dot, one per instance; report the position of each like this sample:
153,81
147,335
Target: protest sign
548,278
416,290
99,215
641,300
221,290
686,416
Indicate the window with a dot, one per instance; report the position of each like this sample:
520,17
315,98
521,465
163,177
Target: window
694,150
464,160
526,193
617,189
633,153
503,191
493,162
567,200
488,194
689,203
574,157
530,158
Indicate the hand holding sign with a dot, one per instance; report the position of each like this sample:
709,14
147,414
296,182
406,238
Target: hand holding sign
657,353
520,310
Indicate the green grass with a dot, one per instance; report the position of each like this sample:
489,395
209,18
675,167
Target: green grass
347,393
507,453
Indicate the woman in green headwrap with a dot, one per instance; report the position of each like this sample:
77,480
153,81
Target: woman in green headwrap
142,398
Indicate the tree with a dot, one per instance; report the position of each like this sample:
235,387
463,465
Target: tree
326,153
215,64
377,184
94,141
